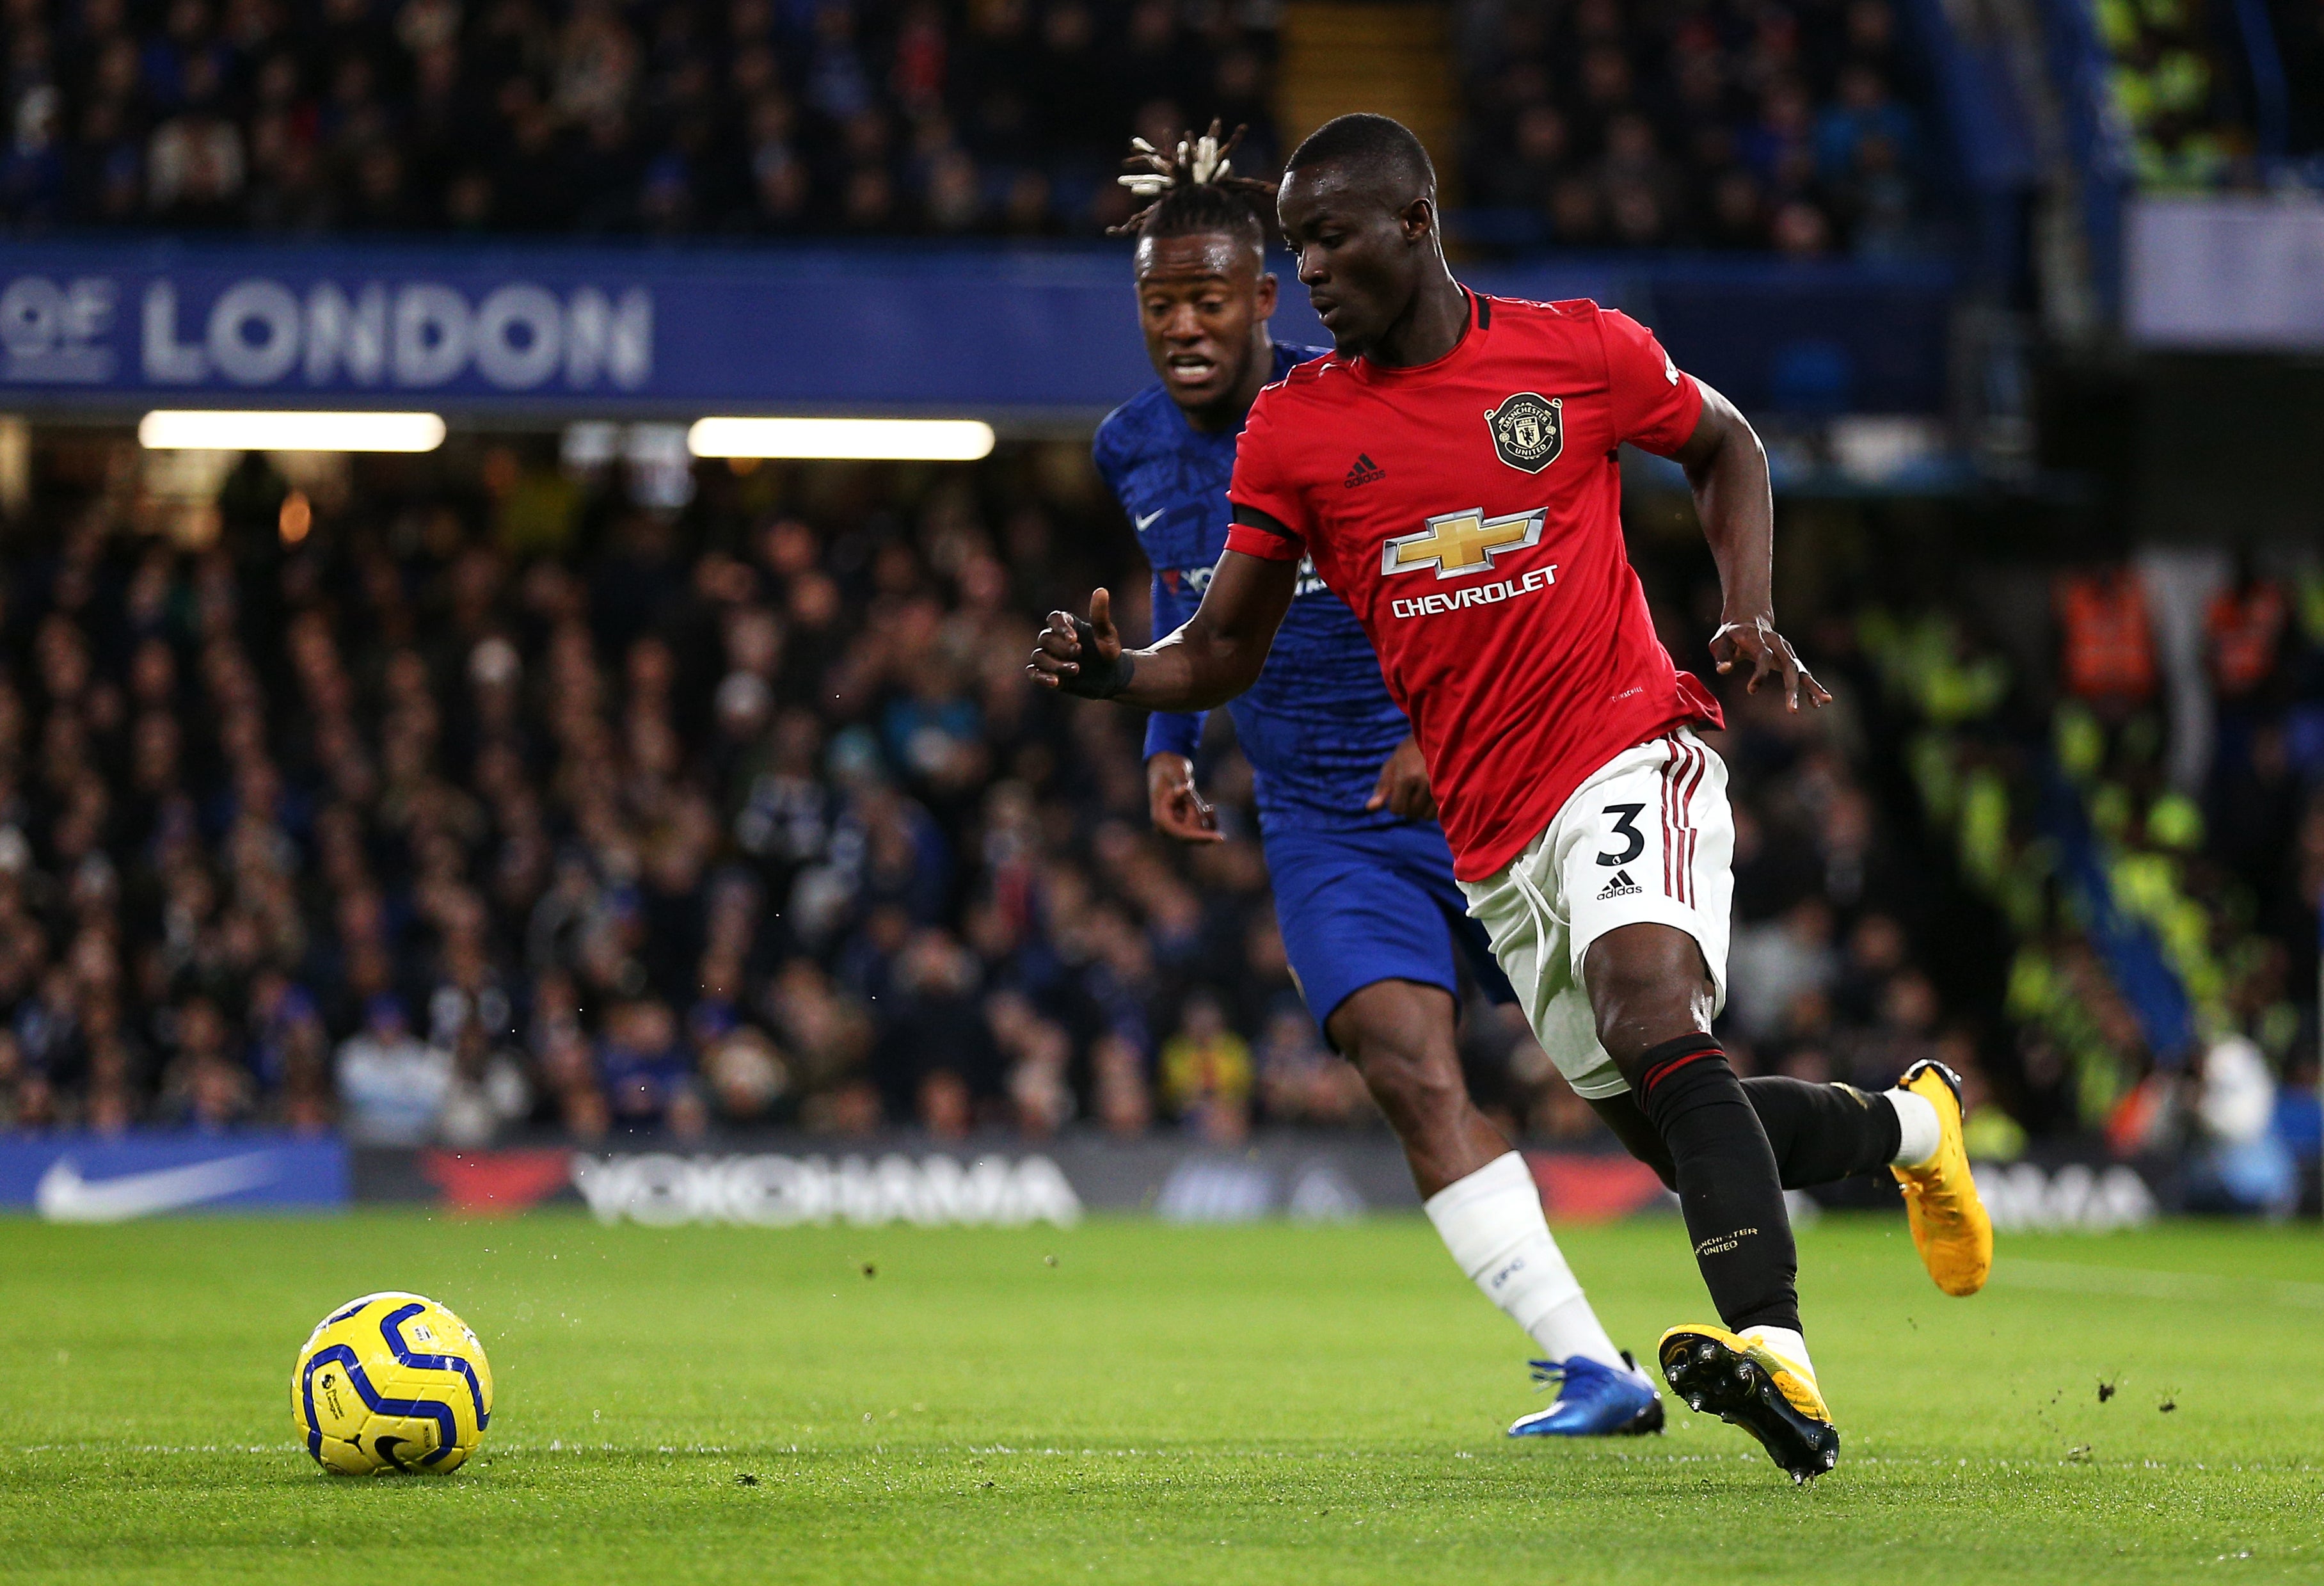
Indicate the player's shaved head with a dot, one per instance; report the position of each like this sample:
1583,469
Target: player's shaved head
1380,151
1358,205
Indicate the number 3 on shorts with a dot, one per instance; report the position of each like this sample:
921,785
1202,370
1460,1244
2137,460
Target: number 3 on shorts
1626,822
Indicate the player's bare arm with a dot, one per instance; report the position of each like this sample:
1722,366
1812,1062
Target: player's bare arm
1216,655
1403,787
1727,469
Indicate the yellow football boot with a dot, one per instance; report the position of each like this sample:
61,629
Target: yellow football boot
1745,1383
1950,1227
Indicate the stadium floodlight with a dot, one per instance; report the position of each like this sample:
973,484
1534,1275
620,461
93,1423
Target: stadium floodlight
886,440
227,429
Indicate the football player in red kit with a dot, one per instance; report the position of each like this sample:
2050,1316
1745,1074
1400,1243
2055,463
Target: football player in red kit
1481,546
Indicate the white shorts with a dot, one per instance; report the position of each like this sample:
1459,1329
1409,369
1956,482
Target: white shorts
1648,838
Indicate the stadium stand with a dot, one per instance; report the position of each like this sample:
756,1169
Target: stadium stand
1591,125
2144,841
504,794
1725,126
2167,86
305,117
2213,96
456,802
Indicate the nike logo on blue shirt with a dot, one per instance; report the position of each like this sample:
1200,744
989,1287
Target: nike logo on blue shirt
1145,522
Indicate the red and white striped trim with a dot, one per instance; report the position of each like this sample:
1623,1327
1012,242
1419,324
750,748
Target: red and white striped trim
1681,775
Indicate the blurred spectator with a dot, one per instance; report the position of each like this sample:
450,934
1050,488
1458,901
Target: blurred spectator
647,1077
2249,1164
489,1091
392,1085
746,1076
1206,1073
2247,626
1773,965
1125,1104
1300,1080
2107,636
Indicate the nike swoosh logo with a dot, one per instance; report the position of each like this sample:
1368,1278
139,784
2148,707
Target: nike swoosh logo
1145,522
63,1195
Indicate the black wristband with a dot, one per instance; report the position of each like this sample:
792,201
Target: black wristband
1096,679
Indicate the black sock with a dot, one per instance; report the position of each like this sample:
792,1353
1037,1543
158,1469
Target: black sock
1820,1133
1728,1190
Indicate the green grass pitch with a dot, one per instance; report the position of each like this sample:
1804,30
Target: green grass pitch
1264,1404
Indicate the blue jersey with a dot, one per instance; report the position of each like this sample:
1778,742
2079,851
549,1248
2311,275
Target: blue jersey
1319,724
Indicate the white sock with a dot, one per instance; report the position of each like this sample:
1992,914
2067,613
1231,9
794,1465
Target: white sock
1919,1134
1787,1345
1492,1221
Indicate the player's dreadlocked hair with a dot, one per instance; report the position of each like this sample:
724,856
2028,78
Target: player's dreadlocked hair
1195,190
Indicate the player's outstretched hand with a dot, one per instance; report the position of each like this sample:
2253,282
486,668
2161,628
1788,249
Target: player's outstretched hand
1769,654
1403,786
1179,807
1080,657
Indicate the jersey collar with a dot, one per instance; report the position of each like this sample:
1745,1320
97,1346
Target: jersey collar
1471,342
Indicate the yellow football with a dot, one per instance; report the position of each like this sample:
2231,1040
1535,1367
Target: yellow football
391,1382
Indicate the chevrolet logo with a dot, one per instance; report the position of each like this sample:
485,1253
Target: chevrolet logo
1460,543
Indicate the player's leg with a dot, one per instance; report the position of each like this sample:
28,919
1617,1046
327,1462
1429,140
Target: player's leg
1651,996
1477,1189
1486,1207
1400,1036
1613,927
1365,935
1820,1133
1651,951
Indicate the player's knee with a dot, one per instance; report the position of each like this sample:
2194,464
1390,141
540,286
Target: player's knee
1641,998
1625,1003
1416,1087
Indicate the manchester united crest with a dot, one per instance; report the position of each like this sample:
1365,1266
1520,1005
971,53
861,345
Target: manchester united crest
1529,430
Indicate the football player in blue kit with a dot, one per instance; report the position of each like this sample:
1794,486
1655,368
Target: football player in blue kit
1371,918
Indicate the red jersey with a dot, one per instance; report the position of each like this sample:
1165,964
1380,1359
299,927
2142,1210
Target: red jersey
1469,512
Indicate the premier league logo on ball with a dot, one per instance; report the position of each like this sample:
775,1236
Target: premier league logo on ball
1529,430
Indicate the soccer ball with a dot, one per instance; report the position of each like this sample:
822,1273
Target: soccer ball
391,1382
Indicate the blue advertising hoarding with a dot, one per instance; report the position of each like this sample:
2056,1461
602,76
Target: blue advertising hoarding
552,331
95,1178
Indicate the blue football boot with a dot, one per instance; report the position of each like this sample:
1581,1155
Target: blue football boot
1593,1401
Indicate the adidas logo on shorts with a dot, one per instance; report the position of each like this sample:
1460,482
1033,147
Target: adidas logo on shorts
1621,885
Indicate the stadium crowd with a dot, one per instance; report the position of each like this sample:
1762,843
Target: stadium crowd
742,116
473,798
1726,125
2132,780
2206,95
1591,124
2178,107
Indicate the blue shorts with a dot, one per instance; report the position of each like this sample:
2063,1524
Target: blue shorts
1377,904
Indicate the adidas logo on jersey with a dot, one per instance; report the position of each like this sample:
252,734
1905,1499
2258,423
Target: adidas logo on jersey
1621,885
1364,471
